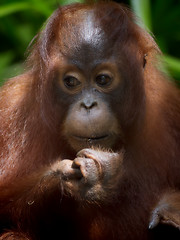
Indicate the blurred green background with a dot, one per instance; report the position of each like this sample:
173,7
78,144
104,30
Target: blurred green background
20,21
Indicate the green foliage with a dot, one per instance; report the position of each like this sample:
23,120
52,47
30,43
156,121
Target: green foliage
162,17
20,21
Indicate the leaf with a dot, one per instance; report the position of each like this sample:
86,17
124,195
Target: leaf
173,64
142,10
13,7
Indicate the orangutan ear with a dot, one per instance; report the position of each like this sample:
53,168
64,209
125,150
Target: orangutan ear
145,60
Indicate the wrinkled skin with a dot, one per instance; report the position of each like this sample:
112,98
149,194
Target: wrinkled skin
93,171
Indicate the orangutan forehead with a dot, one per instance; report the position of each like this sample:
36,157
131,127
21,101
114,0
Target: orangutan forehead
91,31
82,31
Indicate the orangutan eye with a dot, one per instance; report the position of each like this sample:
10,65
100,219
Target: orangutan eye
71,82
103,80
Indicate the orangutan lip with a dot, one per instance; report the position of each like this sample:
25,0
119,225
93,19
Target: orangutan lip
91,138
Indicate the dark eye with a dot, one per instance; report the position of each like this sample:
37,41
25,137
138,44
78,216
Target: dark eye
71,82
103,80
